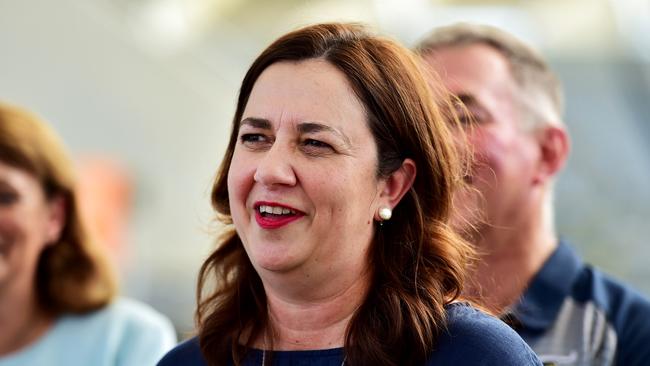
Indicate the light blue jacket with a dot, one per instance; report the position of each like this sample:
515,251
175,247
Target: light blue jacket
124,333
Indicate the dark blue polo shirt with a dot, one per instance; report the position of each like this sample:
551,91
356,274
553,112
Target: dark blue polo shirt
471,338
573,314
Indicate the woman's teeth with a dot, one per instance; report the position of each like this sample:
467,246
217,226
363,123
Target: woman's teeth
276,210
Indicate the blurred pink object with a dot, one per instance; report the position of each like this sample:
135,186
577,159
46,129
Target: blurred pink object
105,200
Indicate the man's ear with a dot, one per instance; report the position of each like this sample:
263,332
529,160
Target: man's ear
57,217
397,184
554,147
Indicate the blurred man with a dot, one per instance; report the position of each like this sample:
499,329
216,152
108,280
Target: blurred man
569,313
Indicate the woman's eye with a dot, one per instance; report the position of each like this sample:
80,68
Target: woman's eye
8,198
316,144
253,139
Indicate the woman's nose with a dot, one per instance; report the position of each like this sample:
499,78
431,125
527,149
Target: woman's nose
275,167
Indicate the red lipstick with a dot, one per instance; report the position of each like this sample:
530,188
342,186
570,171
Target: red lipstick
267,220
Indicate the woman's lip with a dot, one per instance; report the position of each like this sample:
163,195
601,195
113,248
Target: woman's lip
257,205
270,222
275,221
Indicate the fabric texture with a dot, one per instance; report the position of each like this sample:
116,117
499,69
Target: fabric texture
471,338
124,333
574,315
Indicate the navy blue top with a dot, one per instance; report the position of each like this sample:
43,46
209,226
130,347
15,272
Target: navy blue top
573,314
471,338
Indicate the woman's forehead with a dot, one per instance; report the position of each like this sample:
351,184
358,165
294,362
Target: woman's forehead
307,91
16,176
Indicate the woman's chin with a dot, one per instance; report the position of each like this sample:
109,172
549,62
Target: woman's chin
276,262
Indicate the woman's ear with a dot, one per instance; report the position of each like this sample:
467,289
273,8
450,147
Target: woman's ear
397,184
57,216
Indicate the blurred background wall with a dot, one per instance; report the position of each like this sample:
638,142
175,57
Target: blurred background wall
143,92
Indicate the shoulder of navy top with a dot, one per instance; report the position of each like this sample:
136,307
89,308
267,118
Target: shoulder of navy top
187,353
470,338
475,338
613,318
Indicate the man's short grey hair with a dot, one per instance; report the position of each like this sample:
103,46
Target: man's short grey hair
542,94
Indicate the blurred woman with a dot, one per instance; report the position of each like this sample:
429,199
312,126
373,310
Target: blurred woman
336,188
57,292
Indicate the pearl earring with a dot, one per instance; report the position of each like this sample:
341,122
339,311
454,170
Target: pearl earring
385,213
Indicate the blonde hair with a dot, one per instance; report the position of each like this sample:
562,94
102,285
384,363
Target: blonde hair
72,276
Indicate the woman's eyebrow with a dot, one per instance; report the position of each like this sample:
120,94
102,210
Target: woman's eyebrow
311,127
255,122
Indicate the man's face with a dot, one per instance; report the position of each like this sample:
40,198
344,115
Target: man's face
504,155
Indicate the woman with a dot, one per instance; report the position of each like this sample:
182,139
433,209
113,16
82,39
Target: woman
56,290
336,186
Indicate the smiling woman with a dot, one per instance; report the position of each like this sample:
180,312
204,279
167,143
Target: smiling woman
57,294
316,157
336,188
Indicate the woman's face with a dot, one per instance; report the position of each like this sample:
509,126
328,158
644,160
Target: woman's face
28,222
302,183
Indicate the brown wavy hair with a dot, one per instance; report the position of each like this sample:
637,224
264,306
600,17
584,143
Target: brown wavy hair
72,275
418,263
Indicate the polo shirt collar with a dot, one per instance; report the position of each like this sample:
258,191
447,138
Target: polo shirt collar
543,298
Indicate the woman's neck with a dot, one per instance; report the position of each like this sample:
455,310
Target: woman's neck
313,319
21,320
